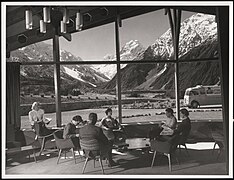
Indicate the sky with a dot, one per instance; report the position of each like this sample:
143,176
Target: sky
95,43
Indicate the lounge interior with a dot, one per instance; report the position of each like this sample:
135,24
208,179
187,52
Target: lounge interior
198,157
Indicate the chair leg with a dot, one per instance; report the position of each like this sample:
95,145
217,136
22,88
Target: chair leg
94,162
34,156
100,161
86,161
186,149
65,154
169,161
73,153
155,152
214,148
42,146
219,154
60,151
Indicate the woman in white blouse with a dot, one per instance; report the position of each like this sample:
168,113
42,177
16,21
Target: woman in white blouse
36,114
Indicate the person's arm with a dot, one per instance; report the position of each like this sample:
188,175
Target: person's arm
172,123
66,132
102,138
30,118
117,125
103,125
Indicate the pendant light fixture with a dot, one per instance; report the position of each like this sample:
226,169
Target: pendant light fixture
79,21
28,19
42,26
46,14
63,27
66,15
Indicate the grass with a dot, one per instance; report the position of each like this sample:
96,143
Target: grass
67,116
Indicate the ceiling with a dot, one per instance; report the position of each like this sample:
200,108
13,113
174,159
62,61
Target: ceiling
17,35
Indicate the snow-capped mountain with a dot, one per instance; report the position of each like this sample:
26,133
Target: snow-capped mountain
198,39
130,51
79,75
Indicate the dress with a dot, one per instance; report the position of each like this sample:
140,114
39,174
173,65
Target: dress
35,116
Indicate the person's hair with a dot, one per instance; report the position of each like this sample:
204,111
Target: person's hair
92,118
108,110
77,118
34,104
184,111
169,110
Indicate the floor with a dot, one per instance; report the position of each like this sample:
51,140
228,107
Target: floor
200,161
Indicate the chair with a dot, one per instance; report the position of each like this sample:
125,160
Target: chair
91,149
182,142
64,145
44,136
219,140
163,147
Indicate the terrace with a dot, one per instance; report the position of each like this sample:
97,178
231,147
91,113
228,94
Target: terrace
136,160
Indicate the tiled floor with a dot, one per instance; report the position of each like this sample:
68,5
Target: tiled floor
134,162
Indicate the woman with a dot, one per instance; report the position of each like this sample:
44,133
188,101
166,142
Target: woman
108,124
167,127
36,116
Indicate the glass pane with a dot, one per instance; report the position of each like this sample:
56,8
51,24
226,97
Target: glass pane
37,85
38,52
141,37
85,90
147,89
201,83
91,44
198,36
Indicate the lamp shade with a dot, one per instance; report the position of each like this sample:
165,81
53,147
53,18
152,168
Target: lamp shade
63,27
28,19
46,14
66,16
79,21
42,26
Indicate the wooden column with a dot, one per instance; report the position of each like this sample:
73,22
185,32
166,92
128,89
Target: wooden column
175,31
118,75
222,16
56,57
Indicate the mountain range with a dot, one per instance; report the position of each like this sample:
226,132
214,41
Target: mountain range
198,39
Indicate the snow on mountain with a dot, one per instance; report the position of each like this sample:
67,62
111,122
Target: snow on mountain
77,75
130,51
198,39
193,31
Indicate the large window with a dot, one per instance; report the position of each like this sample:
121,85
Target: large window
88,70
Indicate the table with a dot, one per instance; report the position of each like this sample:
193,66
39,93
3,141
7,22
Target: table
138,143
22,149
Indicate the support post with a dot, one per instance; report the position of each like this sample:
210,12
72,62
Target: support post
175,30
56,57
118,75
222,15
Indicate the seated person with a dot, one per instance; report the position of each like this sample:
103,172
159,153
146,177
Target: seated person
38,120
92,132
169,124
108,124
36,114
182,131
70,131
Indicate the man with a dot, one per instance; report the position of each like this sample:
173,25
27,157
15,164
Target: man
92,132
70,130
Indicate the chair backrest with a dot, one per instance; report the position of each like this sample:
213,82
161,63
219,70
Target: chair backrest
89,144
60,142
58,134
160,146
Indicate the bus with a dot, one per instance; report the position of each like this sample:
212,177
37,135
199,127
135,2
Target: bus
195,97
